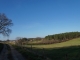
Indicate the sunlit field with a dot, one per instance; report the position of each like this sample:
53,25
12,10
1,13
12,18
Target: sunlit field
72,42
69,50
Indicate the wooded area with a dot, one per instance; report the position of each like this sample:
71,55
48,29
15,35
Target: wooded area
63,36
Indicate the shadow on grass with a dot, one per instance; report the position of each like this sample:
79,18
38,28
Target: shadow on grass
64,53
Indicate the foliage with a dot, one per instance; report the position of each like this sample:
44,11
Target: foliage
63,36
20,41
57,38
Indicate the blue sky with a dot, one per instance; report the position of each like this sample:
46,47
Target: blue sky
38,18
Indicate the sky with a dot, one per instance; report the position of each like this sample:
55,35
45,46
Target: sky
39,18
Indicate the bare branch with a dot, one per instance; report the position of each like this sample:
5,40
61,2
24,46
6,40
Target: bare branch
5,23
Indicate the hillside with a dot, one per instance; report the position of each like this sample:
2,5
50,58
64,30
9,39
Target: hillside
72,42
69,50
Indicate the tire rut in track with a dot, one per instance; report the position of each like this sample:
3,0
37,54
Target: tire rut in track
4,53
16,55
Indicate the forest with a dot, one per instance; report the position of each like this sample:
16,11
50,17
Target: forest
63,36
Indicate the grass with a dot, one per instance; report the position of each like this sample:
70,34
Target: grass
69,50
66,53
72,42
27,54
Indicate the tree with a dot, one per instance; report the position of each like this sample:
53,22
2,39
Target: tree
21,40
5,24
24,38
18,38
63,36
38,38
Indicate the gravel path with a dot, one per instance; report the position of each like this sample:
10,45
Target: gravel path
15,54
3,55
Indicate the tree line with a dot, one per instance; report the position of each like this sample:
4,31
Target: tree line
50,39
63,36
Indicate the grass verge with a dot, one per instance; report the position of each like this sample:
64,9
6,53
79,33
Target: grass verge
1,47
28,54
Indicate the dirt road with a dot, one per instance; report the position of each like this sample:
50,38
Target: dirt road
3,55
15,54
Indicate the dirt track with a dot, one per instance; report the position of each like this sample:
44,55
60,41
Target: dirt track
3,55
15,54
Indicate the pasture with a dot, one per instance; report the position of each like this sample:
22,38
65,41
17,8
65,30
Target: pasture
72,42
69,50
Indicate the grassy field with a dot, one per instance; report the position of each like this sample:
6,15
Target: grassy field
72,42
69,50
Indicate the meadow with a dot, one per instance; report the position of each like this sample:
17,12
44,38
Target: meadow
72,42
69,50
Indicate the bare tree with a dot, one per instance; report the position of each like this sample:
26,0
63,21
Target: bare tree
18,38
21,41
5,25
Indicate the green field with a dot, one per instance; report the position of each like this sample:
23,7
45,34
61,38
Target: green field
72,42
69,50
